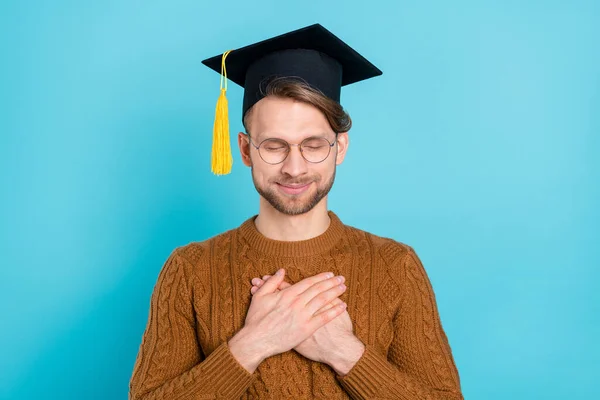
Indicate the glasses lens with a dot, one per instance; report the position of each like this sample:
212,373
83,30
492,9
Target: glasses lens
273,151
315,149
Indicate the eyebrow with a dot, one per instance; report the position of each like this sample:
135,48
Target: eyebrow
270,136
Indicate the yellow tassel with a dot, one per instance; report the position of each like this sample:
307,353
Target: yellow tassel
221,148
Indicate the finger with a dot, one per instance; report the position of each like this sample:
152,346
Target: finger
259,282
305,283
321,287
323,298
253,289
284,285
323,318
327,306
272,284
256,281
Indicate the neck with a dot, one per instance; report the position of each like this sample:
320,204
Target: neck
278,226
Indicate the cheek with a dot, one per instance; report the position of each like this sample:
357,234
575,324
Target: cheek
264,174
325,169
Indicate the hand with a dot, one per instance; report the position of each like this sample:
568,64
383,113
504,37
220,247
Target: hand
280,319
326,344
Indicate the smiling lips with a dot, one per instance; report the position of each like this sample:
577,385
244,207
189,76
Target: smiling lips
294,189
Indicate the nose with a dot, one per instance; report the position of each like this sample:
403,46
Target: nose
294,164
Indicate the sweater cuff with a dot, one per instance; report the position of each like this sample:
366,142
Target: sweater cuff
369,375
228,376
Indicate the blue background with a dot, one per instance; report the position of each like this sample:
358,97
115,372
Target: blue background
478,146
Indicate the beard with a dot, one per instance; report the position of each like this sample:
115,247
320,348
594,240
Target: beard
294,204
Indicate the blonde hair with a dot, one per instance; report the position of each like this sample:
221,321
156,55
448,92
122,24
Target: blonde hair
297,89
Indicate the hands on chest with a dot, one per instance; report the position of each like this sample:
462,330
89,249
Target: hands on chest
308,317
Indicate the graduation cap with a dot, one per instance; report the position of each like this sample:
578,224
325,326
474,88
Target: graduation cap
312,54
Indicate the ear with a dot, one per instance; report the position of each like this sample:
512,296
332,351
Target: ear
343,142
244,144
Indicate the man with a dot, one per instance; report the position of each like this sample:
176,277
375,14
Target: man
338,313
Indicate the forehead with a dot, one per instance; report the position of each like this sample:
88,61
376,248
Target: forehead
287,119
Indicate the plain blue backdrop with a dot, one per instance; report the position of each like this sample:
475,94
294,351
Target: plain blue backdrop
478,146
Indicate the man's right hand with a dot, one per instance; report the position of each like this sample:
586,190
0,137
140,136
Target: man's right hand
279,320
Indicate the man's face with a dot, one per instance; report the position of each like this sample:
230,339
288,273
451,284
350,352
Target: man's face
294,186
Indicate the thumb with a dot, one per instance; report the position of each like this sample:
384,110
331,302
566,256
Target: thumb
271,285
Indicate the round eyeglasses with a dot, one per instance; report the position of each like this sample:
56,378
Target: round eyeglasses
275,151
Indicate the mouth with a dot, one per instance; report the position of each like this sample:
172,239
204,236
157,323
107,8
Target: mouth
293,189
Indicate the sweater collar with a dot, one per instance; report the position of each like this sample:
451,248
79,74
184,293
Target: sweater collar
316,245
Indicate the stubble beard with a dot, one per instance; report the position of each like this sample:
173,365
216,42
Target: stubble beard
294,204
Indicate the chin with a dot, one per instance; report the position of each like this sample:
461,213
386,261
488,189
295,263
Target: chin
294,211
291,204
294,206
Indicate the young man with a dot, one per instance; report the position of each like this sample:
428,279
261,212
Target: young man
338,313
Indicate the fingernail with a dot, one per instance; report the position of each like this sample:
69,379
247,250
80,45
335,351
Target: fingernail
329,275
279,272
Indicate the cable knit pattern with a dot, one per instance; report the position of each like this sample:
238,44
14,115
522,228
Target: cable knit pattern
202,295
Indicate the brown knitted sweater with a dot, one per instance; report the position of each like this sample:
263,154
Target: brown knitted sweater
203,293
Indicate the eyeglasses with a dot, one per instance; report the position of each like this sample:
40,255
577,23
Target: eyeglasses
275,151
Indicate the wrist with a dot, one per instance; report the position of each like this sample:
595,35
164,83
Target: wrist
348,354
246,350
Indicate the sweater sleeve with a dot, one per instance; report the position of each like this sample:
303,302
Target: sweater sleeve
170,363
419,364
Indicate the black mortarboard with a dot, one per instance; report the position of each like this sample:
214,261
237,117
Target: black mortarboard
312,54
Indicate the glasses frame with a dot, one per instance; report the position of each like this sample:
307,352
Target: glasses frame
290,148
